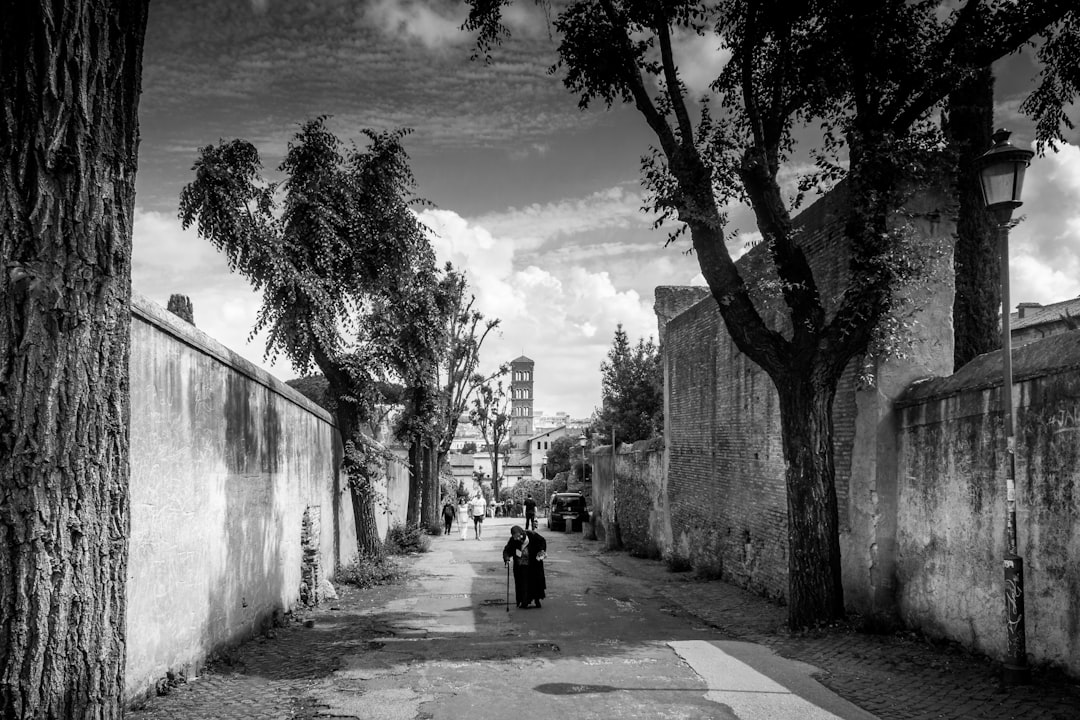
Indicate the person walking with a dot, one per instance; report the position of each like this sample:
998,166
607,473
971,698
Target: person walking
479,508
530,512
463,516
527,550
447,516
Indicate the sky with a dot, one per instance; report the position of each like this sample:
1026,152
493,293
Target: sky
537,200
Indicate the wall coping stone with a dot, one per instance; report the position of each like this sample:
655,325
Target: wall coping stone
1048,356
150,312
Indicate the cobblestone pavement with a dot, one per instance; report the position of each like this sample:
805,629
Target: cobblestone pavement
897,676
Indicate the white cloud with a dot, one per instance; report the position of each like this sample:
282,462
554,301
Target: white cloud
1045,245
168,260
608,209
700,59
563,319
419,21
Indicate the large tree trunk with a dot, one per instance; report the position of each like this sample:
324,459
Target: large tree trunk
355,464
69,88
978,291
815,587
362,491
416,486
430,509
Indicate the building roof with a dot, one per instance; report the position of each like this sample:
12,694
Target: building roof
1033,314
548,431
522,359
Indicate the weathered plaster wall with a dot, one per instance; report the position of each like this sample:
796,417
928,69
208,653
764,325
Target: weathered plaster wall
724,450
225,460
951,515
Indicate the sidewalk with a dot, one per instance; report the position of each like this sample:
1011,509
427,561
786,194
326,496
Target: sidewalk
897,677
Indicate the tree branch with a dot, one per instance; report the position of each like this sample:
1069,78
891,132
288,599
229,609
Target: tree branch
642,100
671,79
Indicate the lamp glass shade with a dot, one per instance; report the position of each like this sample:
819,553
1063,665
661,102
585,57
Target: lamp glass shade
1002,182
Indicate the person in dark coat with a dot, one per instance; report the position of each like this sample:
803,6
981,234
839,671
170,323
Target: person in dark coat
527,549
448,513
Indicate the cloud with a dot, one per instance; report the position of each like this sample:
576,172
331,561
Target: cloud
1045,245
562,318
167,260
609,209
700,59
414,20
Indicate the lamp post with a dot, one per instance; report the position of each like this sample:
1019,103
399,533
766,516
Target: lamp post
583,441
1001,176
543,474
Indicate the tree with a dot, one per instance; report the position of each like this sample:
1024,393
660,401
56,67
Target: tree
468,448
491,413
69,93
561,454
410,334
977,302
874,94
632,392
344,244
466,330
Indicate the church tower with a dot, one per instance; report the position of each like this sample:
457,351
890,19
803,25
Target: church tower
521,404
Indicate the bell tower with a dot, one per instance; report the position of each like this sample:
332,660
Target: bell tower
521,404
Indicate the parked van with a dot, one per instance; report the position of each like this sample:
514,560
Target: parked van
568,507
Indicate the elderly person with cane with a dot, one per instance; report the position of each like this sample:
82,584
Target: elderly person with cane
527,550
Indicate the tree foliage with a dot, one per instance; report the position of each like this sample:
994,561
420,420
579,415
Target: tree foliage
329,248
466,330
632,392
491,414
872,77
560,456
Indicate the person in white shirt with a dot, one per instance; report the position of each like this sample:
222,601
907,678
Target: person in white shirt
479,508
463,516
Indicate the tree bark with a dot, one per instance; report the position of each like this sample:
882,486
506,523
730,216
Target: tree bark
431,511
69,90
978,293
416,488
362,491
815,584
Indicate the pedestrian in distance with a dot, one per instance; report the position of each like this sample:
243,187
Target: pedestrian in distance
463,516
479,508
530,512
448,513
527,550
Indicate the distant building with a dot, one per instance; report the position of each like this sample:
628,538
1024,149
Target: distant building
466,433
539,444
521,403
1032,321
461,466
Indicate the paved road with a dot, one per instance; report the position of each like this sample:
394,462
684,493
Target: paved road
446,645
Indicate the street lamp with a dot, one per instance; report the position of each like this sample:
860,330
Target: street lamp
583,441
1001,176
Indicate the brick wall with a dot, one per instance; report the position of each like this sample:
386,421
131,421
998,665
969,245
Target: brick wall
725,478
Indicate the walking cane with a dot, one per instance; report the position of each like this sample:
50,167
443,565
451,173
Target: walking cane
507,564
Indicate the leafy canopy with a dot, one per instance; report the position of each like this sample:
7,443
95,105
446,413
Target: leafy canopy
340,243
632,389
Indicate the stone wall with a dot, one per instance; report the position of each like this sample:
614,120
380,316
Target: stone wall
225,462
951,515
726,486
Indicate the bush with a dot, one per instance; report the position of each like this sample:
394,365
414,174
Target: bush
367,571
678,563
403,540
